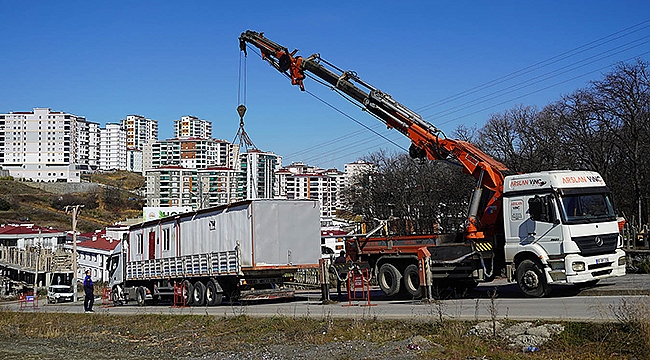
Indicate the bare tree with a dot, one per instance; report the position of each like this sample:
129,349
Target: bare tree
417,196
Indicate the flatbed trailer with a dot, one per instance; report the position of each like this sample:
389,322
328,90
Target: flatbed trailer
243,251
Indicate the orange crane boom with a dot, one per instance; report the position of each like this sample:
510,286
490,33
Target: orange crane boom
426,140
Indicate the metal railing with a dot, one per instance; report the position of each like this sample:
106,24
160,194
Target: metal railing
210,264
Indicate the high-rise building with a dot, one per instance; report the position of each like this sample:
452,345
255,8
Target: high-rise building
112,147
307,182
258,169
177,186
139,131
193,153
45,145
220,185
93,145
192,127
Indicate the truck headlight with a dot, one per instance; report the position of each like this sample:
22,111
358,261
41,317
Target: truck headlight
578,266
622,261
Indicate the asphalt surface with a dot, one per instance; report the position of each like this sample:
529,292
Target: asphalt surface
499,299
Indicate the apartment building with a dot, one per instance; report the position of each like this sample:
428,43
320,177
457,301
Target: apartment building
306,182
173,186
46,145
112,147
139,131
193,153
221,185
192,127
258,169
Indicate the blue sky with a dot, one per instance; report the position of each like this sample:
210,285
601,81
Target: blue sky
163,59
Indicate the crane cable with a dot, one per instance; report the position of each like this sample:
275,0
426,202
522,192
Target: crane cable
241,86
541,64
334,107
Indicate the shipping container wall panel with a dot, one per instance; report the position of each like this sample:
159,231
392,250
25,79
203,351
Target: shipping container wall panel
219,230
268,233
286,232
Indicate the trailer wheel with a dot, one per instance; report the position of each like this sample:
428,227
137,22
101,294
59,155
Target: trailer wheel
412,281
531,279
139,296
389,279
198,294
212,296
187,295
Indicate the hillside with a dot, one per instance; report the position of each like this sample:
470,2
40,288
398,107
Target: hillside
103,206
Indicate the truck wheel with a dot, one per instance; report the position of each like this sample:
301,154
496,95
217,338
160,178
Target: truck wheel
139,296
212,297
187,295
412,281
198,295
115,297
531,279
389,279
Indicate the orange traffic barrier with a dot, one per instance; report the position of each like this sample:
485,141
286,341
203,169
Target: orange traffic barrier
359,286
28,300
107,299
180,300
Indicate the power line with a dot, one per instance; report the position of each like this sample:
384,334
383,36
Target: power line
538,90
539,78
537,65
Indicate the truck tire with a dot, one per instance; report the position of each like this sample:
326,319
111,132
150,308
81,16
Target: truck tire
140,296
389,279
198,294
412,281
531,279
115,296
189,289
212,296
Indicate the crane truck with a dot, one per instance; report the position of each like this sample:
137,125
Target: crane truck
538,229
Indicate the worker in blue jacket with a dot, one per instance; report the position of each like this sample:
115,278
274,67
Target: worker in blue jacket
89,290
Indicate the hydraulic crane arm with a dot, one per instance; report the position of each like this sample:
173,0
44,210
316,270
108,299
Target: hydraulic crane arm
426,139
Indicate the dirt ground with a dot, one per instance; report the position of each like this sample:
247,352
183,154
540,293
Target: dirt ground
122,349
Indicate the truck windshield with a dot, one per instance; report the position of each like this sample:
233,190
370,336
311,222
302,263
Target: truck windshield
587,208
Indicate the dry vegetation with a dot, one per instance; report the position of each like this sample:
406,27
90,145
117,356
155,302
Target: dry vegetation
21,203
48,335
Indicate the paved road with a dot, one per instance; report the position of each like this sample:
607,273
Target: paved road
600,303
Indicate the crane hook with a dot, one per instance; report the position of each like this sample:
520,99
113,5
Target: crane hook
241,109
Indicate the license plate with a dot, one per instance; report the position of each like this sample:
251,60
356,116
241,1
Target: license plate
602,260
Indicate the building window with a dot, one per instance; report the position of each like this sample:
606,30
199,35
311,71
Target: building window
139,244
166,237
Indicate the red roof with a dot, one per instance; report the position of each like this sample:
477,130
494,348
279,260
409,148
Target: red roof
325,233
97,240
26,229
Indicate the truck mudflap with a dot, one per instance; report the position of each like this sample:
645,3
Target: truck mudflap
578,269
266,294
209,264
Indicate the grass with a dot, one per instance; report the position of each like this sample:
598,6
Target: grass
176,335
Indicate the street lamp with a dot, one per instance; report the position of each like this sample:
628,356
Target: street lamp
74,209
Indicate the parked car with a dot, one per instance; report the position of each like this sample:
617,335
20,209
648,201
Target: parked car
59,293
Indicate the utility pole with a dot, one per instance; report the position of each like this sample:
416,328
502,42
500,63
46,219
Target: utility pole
75,211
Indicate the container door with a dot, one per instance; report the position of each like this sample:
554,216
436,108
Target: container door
152,245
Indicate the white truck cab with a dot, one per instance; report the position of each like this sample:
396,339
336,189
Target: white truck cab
560,228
